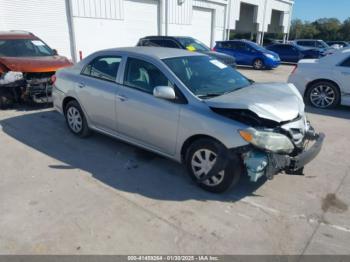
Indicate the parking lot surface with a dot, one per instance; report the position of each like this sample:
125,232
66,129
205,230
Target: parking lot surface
63,195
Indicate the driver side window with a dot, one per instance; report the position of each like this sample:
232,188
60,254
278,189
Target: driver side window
143,76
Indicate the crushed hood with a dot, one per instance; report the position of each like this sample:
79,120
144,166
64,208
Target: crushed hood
274,101
35,64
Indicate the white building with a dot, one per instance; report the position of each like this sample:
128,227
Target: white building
84,26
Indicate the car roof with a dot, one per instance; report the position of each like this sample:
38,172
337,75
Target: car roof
337,56
165,37
154,52
14,34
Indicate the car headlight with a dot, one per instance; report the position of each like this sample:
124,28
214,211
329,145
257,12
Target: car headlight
267,140
270,56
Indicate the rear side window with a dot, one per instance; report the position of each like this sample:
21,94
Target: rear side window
104,68
224,45
143,76
306,43
346,63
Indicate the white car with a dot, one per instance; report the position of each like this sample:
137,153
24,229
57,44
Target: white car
325,82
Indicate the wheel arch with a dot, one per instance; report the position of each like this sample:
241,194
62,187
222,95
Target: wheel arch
310,84
191,140
66,100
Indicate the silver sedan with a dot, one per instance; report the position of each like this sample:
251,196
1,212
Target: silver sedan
191,108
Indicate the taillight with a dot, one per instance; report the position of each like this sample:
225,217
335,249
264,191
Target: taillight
213,49
294,69
53,79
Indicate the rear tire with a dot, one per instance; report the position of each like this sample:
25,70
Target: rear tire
76,120
258,64
323,94
198,158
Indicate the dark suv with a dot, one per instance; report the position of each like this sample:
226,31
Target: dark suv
187,43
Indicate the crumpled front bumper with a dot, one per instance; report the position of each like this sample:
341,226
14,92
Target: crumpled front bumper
306,157
260,163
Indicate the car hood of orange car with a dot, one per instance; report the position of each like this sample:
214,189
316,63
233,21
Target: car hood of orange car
35,64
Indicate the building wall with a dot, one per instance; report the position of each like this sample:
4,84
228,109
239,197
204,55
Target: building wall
264,12
46,19
51,21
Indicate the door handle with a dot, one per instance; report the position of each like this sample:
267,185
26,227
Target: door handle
81,85
122,98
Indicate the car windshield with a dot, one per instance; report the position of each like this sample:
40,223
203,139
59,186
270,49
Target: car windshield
257,47
324,44
206,77
24,48
192,44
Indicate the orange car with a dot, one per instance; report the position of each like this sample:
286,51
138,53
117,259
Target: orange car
26,67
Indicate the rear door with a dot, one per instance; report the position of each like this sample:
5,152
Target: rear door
96,91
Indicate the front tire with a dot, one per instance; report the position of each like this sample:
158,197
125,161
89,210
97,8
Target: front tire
200,159
76,120
323,94
258,64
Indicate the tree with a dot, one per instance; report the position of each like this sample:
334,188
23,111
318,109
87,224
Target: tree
344,32
328,28
296,28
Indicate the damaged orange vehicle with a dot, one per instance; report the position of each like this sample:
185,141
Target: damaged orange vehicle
27,66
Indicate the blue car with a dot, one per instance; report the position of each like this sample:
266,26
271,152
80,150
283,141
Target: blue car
293,53
249,53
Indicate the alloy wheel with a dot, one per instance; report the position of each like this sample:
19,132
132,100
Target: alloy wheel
202,162
322,96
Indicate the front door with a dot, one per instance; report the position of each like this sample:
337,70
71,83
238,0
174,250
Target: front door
143,118
96,91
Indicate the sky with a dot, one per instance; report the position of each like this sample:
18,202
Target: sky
310,10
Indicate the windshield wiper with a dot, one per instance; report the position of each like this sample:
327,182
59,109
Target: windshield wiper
209,95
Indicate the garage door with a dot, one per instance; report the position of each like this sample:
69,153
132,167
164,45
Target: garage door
140,18
46,19
202,25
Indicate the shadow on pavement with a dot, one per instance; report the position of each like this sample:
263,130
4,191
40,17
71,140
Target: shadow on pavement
117,164
340,112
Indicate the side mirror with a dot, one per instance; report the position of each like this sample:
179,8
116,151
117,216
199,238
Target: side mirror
54,51
164,92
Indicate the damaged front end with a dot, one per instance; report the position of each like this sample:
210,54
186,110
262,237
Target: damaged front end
275,147
17,87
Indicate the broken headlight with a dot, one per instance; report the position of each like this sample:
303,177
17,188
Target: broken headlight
267,140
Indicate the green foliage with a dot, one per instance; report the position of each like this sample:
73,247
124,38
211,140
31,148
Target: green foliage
327,29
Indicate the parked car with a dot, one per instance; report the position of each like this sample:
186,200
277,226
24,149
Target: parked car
324,83
319,44
338,44
293,53
26,67
187,43
190,108
249,53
